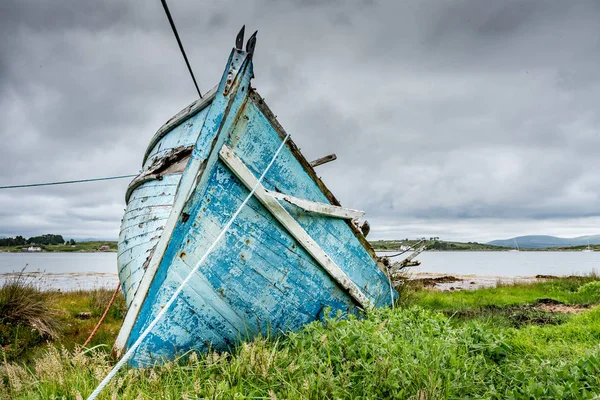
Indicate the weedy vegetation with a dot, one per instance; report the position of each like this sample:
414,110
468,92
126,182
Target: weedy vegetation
26,315
31,318
433,345
65,248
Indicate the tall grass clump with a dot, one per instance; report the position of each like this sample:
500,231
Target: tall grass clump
26,315
99,300
403,284
591,291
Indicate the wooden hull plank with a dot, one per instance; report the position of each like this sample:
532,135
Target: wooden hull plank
183,135
292,226
253,274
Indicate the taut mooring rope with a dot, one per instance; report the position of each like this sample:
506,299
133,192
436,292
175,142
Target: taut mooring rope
110,303
164,3
108,178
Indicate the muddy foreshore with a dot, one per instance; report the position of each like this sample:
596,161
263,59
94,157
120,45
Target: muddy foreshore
444,282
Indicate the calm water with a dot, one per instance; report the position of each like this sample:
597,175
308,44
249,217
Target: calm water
72,271
507,263
65,271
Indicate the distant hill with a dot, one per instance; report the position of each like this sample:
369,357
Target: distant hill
95,240
544,241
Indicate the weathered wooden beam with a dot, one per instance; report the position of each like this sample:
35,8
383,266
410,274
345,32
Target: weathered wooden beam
398,266
323,160
291,225
318,208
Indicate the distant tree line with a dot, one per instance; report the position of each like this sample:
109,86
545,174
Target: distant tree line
438,245
39,240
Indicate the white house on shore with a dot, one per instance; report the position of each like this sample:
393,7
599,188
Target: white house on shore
32,248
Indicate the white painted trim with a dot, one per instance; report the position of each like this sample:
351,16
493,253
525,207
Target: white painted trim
192,177
186,187
318,208
293,227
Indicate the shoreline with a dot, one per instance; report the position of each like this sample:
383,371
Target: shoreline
451,282
63,252
376,250
436,281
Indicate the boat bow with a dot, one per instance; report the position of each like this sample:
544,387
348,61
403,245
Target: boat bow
292,252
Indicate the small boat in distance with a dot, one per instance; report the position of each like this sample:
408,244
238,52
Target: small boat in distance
516,249
292,254
588,249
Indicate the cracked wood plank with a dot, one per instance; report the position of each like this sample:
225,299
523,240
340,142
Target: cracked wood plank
292,226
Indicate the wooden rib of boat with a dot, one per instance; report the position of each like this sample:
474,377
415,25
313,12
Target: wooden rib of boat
292,253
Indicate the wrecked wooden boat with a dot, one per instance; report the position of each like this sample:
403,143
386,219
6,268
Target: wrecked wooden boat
291,254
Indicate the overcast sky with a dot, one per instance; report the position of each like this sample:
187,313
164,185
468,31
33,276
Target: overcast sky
468,120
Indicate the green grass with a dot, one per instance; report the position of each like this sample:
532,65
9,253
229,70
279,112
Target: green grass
81,246
94,301
422,350
43,317
564,290
27,316
440,245
386,245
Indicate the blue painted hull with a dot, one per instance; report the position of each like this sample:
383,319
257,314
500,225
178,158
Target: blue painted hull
259,279
149,201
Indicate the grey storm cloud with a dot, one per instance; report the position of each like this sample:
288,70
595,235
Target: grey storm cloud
461,119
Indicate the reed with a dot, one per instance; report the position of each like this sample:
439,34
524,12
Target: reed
23,303
27,317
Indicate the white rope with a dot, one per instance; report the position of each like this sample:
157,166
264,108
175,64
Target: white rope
163,311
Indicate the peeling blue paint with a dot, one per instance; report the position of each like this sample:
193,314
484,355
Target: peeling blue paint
258,279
